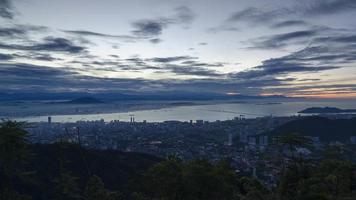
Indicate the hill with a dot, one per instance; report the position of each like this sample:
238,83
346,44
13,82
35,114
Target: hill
84,100
325,110
114,167
324,128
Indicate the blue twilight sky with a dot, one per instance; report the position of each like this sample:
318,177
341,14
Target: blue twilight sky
252,47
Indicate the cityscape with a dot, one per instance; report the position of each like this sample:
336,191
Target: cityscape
178,100
244,142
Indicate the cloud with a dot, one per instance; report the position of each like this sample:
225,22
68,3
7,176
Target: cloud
23,78
6,9
184,15
155,41
5,57
290,23
31,78
346,39
193,71
281,40
21,70
155,27
194,63
297,62
324,7
19,31
276,68
12,32
256,15
171,59
49,44
302,8
149,27
39,56
96,34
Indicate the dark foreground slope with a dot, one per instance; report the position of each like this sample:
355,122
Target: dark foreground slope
326,129
114,167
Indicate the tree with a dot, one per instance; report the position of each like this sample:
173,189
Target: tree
252,189
13,156
293,141
13,147
174,179
66,187
95,189
115,196
164,180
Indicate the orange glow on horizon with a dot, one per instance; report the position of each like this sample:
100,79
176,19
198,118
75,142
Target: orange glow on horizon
318,95
336,95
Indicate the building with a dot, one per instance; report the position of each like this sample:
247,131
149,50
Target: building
353,140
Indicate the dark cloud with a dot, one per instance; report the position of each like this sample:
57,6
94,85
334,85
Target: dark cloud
12,32
184,15
155,27
337,39
116,65
296,62
324,55
302,8
277,68
49,44
182,65
19,77
96,34
256,15
322,7
171,59
29,70
44,57
281,40
32,78
194,63
28,55
193,71
20,31
290,23
155,41
149,27
293,35
6,9
5,57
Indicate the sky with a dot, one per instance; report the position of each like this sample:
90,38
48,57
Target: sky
296,48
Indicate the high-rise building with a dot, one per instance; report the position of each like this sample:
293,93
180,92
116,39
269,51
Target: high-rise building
230,140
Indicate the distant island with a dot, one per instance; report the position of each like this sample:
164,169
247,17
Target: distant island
84,100
326,110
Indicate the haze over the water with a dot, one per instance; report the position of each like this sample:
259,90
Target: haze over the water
304,48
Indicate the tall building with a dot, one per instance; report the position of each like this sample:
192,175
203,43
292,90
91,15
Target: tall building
229,142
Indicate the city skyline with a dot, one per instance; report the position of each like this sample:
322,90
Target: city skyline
301,48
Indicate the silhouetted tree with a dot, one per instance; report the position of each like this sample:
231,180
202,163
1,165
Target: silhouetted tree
66,187
13,155
95,189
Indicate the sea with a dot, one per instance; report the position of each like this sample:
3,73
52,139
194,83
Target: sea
206,112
